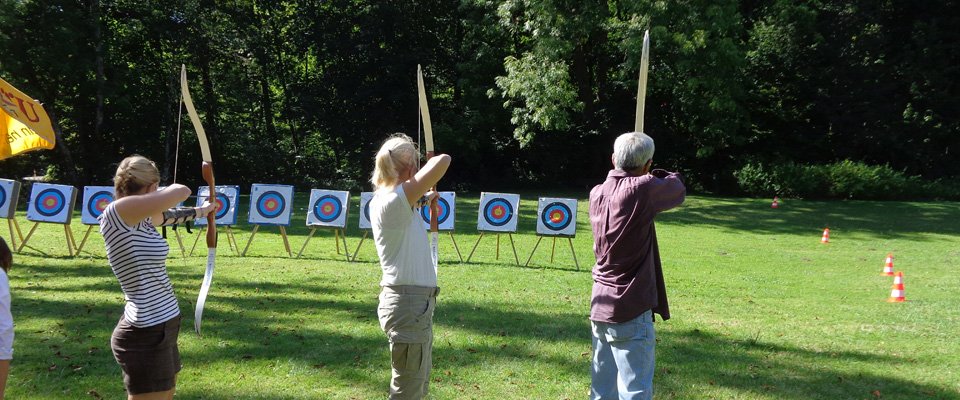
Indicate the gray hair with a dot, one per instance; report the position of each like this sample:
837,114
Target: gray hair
632,150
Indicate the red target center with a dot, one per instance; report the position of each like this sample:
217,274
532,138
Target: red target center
219,205
271,205
556,216
50,202
327,209
102,204
498,211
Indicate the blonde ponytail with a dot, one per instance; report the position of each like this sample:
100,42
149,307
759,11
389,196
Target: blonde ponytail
395,155
133,174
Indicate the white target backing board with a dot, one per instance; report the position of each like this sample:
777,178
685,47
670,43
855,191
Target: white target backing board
95,200
556,217
227,197
499,212
365,198
447,216
9,195
270,204
51,203
328,208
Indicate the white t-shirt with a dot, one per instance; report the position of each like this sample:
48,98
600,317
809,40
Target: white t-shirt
6,319
401,240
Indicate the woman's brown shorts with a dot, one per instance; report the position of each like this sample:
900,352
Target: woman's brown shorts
148,356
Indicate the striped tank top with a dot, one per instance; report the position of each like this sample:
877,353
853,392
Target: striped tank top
138,254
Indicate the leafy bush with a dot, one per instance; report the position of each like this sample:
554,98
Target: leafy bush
841,180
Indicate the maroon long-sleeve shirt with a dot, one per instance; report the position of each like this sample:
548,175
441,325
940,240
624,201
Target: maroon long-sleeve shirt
628,278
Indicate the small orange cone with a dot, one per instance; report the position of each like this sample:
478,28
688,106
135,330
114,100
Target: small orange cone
896,292
888,266
776,202
826,236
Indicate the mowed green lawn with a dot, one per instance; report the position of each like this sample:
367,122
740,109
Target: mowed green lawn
761,310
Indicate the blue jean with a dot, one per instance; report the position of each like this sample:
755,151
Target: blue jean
623,359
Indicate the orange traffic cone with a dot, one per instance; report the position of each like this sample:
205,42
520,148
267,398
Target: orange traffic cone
826,236
896,292
776,202
888,266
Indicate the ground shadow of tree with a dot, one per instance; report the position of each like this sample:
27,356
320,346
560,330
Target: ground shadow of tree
688,361
892,219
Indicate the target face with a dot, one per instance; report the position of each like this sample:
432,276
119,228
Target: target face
51,203
498,212
270,204
556,217
328,208
445,217
365,209
9,194
226,200
95,200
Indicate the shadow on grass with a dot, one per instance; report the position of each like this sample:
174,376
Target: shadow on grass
690,361
893,219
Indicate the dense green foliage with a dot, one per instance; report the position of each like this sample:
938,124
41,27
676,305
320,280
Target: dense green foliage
841,180
522,91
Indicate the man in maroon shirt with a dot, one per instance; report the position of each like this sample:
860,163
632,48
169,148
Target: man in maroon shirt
627,279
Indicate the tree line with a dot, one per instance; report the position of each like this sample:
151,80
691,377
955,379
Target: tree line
522,92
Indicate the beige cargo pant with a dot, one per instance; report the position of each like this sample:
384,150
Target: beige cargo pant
406,316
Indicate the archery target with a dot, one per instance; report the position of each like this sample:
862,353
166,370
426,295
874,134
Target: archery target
498,212
328,208
9,194
365,198
270,204
556,217
95,200
446,217
51,203
226,198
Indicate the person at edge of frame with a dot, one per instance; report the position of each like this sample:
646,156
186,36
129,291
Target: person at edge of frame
144,341
6,318
409,288
628,284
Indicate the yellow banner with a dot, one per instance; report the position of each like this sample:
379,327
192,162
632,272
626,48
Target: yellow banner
24,125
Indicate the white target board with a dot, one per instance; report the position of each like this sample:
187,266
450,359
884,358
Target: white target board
446,206
499,212
226,199
556,217
51,203
270,204
9,195
365,198
328,208
95,200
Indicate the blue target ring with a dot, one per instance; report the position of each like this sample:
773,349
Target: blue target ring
223,205
327,208
98,202
556,216
271,204
366,210
50,202
3,196
498,212
444,207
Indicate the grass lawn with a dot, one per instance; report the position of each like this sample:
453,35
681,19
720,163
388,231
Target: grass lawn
761,310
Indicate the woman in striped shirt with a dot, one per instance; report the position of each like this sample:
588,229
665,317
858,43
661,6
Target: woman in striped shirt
144,342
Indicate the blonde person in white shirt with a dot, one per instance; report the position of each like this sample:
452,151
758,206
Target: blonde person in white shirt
6,319
409,284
